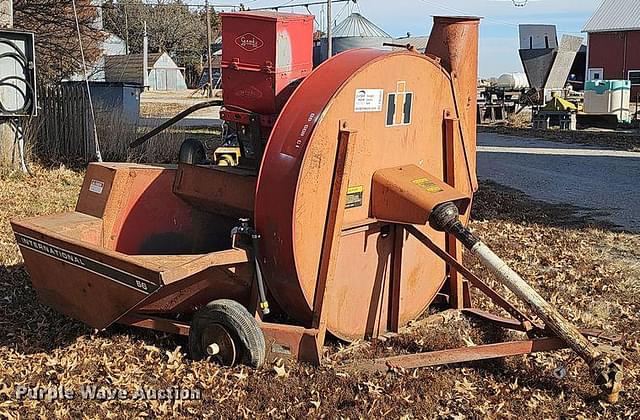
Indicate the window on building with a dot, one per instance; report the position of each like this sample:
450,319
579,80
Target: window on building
595,74
634,76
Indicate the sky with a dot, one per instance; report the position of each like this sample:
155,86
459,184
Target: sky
498,30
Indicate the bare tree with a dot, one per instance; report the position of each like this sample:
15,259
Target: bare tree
57,46
172,25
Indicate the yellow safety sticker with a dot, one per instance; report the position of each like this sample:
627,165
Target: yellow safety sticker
354,196
427,185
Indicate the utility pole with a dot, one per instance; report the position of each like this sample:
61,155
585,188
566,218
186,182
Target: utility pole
126,29
145,58
329,30
6,13
209,40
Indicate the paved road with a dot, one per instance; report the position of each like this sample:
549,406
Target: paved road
607,181
189,122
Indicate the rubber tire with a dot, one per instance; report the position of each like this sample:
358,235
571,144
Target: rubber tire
243,328
192,152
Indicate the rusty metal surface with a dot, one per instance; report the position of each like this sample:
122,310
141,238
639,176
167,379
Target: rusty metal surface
333,227
78,226
89,202
291,342
455,41
96,269
262,57
294,185
458,294
508,323
78,279
407,195
228,191
460,355
402,125
155,323
144,217
97,286
200,286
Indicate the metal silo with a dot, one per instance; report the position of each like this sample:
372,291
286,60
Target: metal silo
355,31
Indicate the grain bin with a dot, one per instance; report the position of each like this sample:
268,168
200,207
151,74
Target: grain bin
355,31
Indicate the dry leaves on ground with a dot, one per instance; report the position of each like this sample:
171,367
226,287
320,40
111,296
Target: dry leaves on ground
592,274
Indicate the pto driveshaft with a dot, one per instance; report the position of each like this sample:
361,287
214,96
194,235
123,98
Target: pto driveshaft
607,370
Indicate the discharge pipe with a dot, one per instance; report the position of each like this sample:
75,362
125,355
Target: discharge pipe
608,371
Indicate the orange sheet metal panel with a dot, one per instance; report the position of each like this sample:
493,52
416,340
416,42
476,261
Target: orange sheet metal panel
220,190
99,265
263,54
408,195
80,280
396,103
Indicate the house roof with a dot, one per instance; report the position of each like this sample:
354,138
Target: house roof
356,25
419,42
615,15
127,68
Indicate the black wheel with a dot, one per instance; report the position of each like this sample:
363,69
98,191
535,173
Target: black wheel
192,152
225,331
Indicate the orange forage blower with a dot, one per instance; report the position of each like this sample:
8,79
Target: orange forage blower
346,211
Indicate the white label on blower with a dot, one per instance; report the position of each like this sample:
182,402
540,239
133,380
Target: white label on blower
369,100
96,186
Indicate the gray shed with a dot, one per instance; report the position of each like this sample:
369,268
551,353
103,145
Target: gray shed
164,73
419,42
356,31
118,100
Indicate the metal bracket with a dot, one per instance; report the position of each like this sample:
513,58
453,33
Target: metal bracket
333,227
473,279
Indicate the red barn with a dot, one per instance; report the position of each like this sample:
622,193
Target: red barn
614,43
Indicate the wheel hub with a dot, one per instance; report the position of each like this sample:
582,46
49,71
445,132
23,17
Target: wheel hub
219,345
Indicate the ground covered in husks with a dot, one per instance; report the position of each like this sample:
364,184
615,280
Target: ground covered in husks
590,273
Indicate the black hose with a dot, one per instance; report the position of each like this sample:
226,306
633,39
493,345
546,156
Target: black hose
264,304
143,139
28,99
28,96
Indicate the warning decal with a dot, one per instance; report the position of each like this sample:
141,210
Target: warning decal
399,106
96,186
427,185
369,100
354,196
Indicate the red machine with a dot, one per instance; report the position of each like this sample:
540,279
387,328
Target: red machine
350,219
264,54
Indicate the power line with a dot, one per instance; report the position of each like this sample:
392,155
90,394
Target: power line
189,6
287,5
491,20
86,80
